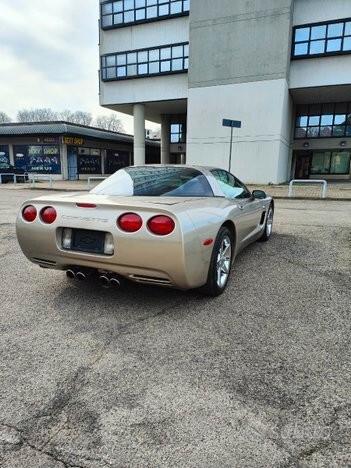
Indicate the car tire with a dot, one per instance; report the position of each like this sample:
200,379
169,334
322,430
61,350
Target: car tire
268,225
221,263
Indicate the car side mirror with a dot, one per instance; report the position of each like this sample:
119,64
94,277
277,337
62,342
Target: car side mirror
259,194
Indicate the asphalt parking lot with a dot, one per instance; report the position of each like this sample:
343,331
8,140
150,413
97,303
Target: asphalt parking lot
259,377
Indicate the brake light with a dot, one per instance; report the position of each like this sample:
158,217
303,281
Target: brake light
29,213
161,225
48,215
130,222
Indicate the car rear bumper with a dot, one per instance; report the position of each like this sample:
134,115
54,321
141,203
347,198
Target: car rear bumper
167,261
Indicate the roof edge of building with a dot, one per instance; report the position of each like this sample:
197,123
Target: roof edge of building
65,123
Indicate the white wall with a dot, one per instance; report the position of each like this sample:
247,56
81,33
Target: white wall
156,88
314,11
162,88
141,36
261,149
324,71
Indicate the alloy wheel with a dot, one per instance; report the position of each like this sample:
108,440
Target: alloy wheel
224,259
269,224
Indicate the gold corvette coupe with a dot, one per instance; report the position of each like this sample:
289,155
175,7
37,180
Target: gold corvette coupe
175,226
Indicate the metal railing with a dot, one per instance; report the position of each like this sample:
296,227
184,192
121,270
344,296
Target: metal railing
34,177
324,187
94,178
15,176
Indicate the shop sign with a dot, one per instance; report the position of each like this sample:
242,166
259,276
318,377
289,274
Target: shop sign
75,141
49,140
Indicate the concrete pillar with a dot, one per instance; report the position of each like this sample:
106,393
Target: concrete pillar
64,161
11,155
165,139
139,134
103,160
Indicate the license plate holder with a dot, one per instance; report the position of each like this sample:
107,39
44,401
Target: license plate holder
85,240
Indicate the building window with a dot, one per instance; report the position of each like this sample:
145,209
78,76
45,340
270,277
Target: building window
4,157
178,133
162,60
115,160
39,159
330,163
323,120
319,39
116,14
89,161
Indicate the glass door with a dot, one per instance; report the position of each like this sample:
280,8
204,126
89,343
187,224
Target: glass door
303,163
72,161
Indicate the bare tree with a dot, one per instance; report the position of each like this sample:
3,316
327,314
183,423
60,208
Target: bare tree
36,115
77,117
82,118
109,122
48,115
66,115
4,118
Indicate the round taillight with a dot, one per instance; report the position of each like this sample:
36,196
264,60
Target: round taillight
48,215
130,222
29,213
161,225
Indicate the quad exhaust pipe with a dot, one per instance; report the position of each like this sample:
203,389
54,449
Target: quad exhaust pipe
106,280
115,282
109,280
71,274
79,275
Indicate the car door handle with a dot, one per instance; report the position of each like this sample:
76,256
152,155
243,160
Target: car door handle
241,207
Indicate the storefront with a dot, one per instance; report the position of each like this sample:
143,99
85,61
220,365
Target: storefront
322,144
116,160
4,156
319,164
68,151
38,159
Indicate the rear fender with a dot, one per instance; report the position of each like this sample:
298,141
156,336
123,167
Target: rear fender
206,225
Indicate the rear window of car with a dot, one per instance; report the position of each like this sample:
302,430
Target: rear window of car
156,182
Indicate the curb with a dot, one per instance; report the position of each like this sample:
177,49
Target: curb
278,197
55,189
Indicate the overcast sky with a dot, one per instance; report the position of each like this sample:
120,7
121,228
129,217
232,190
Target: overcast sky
49,56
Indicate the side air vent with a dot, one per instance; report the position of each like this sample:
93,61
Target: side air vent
42,261
263,218
150,280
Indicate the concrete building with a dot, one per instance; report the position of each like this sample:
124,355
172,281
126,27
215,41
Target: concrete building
282,67
68,151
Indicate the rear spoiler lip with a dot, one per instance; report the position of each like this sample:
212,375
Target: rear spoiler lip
126,204
119,208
